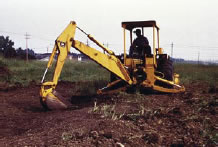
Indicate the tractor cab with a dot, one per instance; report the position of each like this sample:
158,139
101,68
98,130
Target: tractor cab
147,64
130,26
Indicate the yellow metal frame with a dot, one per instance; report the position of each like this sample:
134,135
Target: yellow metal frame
109,61
63,44
154,47
150,63
124,45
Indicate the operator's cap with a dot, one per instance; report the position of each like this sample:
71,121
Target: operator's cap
137,31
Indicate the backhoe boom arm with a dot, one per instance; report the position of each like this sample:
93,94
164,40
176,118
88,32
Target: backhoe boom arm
110,62
63,44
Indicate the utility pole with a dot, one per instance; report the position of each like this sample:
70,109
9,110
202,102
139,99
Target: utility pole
27,36
103,50
172,50
87,43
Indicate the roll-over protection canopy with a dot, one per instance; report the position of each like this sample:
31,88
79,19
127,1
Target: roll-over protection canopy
136,24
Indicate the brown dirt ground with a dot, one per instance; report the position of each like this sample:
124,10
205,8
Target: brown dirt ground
187,119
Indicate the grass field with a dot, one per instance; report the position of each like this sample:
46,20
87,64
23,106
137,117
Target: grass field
74,71
189,73
23,73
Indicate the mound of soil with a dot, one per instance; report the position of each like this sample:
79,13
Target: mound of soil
122,119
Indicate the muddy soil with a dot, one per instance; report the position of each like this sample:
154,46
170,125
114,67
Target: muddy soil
187,119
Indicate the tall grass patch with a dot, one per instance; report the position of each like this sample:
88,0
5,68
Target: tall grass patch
23,72
197,73
83,71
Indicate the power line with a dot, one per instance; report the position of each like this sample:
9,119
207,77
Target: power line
11,33
191,46
33,36
177,45
206,51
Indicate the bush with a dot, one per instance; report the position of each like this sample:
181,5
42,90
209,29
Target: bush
6,47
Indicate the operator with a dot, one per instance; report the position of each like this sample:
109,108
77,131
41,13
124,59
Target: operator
140,46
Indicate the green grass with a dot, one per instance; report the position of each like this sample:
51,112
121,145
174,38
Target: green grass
22,72
197,73
25,72
83,71
74,71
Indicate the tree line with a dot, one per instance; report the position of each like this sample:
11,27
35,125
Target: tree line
8,51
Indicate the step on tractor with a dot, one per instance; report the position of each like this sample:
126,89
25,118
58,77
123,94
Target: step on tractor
151,72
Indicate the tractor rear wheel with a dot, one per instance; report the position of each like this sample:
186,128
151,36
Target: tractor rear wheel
168,70
165,66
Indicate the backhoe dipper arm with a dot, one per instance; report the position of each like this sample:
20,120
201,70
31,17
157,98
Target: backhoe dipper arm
62,45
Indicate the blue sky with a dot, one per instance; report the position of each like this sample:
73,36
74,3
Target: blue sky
191,25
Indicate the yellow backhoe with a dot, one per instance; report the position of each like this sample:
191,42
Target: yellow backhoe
153,72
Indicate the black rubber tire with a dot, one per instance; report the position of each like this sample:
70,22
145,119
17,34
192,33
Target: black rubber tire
168,70
165,66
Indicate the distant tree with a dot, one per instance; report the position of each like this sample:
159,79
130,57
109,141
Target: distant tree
6,47
22,53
